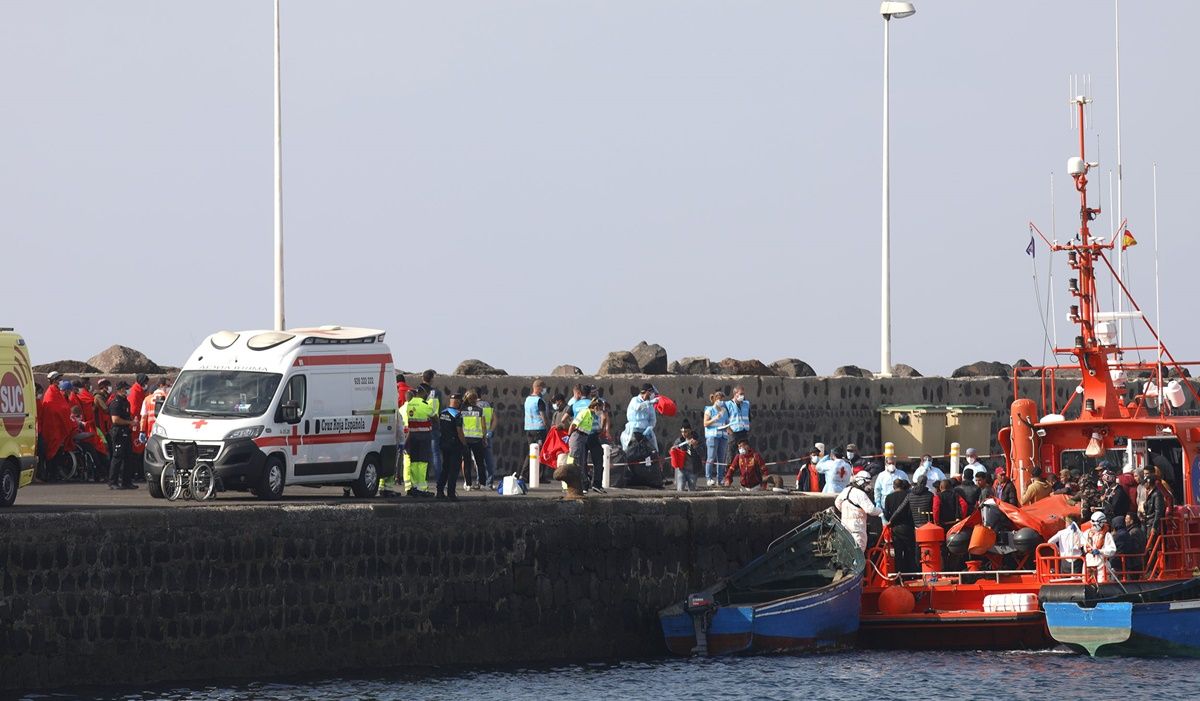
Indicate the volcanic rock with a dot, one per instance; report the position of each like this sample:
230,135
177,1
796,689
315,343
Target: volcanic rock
68,367
984,368
619,363
651,358
473,366
123,360
902,370
792,367
852,371
566,370
731,366
693,365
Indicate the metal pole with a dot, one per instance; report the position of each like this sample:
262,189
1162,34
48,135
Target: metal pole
885,326
1120,201
279,320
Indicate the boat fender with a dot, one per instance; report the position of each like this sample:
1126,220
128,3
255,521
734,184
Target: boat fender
959,542
896,600
1026,539
982,540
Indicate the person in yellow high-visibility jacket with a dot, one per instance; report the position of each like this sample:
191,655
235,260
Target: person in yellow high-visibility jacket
419,416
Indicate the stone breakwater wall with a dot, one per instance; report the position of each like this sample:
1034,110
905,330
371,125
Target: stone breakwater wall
789,414
122,597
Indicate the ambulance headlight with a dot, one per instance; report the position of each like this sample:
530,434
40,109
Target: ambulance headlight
159,430
241,433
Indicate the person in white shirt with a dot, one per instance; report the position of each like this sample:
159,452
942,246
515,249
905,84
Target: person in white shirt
932,473
1069,542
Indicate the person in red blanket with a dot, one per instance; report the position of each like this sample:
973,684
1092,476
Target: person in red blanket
54,423
137,446
755,476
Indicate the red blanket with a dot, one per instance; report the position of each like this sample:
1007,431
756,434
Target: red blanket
54,423
554,445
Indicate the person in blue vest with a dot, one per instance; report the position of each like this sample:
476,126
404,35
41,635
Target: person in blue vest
536,422
581,398
739,416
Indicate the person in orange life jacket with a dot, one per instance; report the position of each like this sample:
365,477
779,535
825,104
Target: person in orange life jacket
1098,547
150,407
120,471
753,471
809,478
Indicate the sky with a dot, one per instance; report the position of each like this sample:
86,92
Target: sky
538,182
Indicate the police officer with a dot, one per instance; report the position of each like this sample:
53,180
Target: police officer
451,441
475,435
489,431
120,440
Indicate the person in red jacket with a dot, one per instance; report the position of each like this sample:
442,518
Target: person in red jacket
755,476
137,447
55,428
85,400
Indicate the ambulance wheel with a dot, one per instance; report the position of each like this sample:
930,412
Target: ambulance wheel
154,487
10,479
270,485
367,484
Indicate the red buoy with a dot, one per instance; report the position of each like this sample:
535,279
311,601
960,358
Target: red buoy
896,600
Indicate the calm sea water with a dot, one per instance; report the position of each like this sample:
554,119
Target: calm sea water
987,676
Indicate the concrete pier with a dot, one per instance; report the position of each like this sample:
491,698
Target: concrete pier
121,596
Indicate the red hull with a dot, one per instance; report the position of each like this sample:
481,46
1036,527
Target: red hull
955,631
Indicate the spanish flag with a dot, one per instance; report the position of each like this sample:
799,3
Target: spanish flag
1127,239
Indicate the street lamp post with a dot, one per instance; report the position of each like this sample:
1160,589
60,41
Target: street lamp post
279,322
888,10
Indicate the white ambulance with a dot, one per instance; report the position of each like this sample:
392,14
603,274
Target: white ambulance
267,409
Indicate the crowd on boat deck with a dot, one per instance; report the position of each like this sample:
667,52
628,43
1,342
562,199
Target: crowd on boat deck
1125,508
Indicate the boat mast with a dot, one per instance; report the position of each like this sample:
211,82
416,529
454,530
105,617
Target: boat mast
1096,340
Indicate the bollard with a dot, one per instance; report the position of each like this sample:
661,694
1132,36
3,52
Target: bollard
535,466
954,471
607,478
889,450
564,459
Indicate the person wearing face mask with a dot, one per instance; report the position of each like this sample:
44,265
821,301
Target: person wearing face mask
856,507
560,412
1115,500
809,478
640,417
973,465
854,457
932,473
1069,542
739,416
1098,547
885,482
837,472
754,475
1005,490
716,436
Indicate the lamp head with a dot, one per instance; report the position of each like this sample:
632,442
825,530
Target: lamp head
898,10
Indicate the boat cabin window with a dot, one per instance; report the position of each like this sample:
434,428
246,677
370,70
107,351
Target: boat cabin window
1077,461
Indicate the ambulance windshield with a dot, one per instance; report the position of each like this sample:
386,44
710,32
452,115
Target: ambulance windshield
222,393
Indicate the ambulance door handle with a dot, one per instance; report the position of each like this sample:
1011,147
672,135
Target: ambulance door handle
306,427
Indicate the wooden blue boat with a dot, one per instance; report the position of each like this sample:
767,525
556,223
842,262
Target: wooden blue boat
1159,622
803,594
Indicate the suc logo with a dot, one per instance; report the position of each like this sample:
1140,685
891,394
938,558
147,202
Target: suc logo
12,403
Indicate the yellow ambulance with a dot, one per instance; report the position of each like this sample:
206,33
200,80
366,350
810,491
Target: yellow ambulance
18,411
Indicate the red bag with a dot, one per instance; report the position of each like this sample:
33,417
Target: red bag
665,406
678,458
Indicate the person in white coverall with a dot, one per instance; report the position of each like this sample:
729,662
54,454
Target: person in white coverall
885,480
856,506
1098,547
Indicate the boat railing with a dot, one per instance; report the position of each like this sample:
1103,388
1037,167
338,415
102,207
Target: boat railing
959,578
1172,554
1048,376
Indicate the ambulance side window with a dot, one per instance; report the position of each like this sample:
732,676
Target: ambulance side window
295,391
